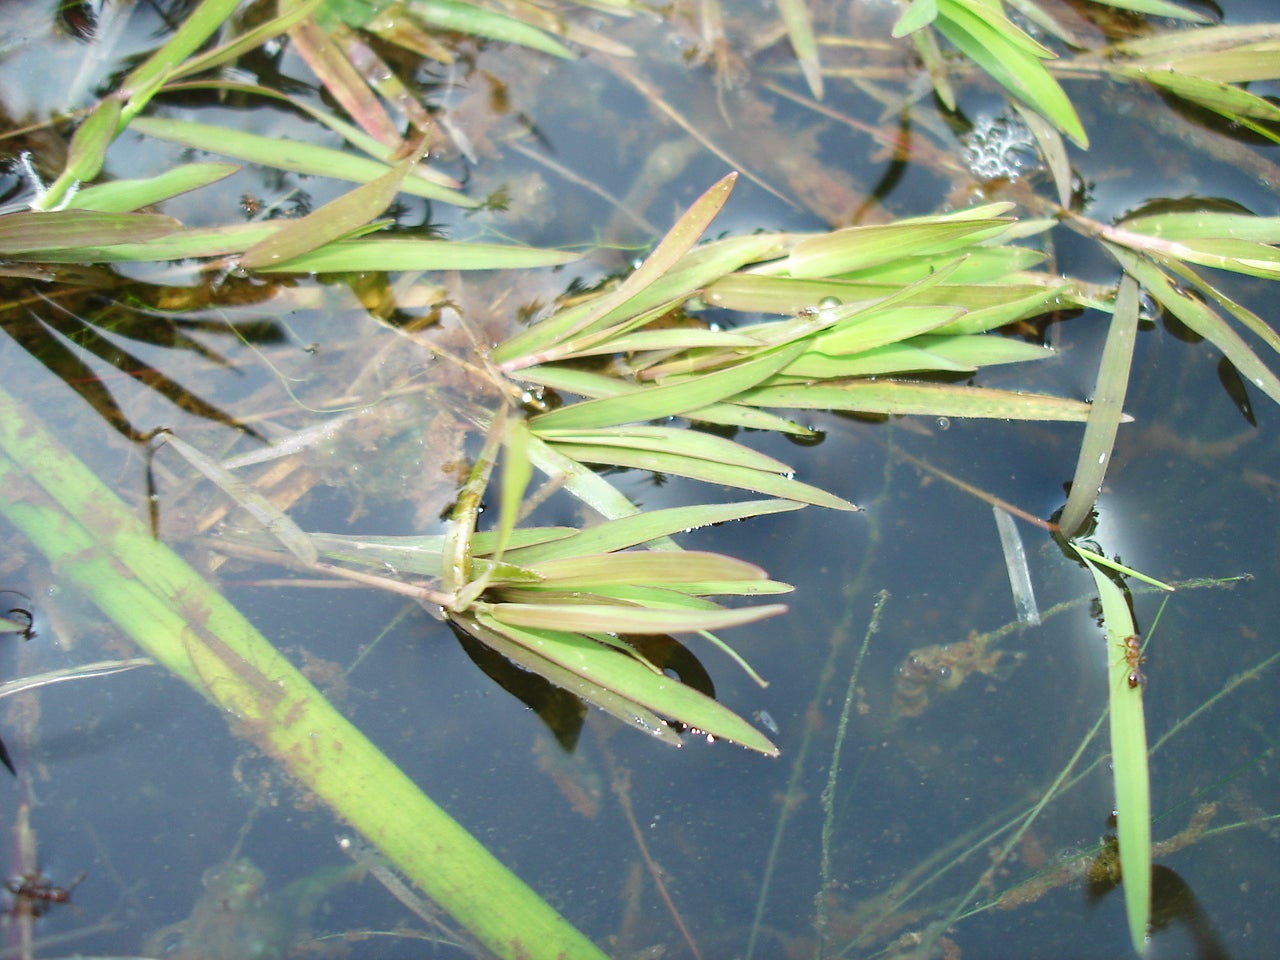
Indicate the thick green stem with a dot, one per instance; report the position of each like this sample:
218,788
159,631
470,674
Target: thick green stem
95,542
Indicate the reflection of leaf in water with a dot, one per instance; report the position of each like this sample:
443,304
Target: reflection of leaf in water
64,339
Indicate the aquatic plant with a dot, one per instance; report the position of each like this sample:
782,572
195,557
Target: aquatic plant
868,318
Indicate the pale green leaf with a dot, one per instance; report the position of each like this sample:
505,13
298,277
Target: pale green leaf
919,14
1012,59
1105,411
631,680
410,254
1129,763
637,567
856,248
195,28
332,221
728,475
652,403
925,399
675,440
71,235
645,527
610,618
273,520
280,153
1202,319
576,678
878,328
469,18
121,196
537,344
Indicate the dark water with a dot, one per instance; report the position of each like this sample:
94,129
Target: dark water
141,785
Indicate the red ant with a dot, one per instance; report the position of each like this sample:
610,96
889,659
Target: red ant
1134,658
36,895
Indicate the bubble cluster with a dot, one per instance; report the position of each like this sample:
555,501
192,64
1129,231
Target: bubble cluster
1000,148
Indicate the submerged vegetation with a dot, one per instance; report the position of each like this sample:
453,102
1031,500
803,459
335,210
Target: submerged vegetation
660,367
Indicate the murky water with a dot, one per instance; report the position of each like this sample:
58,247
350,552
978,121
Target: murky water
140,784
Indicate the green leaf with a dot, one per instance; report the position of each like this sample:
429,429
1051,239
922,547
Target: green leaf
1129,766
895,397
631,680
1200,318
85,155
334,220
517,472
674,440
729,475
280,153
468,18
122,196
856,248
409,254
653,403
72,231
881,327
992,41
574,673
537,344
1225,99
638,567
919,14
1105,411
196,27
646,527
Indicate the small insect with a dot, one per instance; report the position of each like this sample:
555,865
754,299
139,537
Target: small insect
34,893
1134,658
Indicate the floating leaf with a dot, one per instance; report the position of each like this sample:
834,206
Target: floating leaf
628,679
409,254
336,219
986,36
895,397
669,400
646,527
729,475
44,233
121,196
280,153
1129,767
1106,410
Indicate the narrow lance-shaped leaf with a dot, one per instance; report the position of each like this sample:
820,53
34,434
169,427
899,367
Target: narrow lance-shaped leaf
38,232
196,27
537,344
1106,410
284,154
86,154
654,403
121,196
1130,771
1202,319
645,527
517,472
469,18
335,219
625,675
